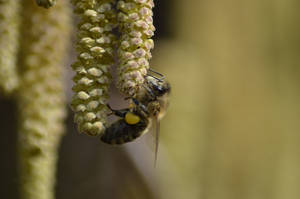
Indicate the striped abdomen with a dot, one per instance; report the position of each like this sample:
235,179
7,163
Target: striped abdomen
120,132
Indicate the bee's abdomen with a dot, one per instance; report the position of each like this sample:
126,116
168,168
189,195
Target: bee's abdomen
120,132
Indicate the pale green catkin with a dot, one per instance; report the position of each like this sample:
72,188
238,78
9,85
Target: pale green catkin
9,43
136,29
95,47
46,3
41,98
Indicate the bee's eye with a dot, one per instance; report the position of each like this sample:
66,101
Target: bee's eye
131,118
161,90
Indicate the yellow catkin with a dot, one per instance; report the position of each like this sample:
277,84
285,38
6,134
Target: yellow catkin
9,31
95,47
136,29
41,98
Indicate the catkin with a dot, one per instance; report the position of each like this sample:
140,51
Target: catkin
95,47
41,98
136,29
9,43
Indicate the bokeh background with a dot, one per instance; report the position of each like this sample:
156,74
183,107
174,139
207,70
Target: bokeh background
233,126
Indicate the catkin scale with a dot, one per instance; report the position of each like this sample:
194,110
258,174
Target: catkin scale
95,47
136,29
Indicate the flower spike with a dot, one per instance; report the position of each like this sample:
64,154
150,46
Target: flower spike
41,96
95,47
136,28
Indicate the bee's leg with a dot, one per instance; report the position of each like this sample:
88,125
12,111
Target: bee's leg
141,106
120,113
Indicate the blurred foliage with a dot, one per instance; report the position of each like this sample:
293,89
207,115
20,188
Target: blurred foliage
232,128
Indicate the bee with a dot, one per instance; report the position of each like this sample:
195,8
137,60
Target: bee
146,108
133,123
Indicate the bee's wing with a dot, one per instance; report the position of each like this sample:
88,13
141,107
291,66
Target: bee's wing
156,137
153,139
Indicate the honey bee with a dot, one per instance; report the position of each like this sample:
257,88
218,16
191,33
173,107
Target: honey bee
146,108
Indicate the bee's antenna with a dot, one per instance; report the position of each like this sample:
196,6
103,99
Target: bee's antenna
158,79
162,77
153,71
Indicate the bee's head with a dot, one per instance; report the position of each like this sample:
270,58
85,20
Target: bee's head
158,86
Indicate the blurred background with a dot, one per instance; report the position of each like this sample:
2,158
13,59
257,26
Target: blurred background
232,129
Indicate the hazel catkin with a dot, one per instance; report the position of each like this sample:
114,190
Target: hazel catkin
95,47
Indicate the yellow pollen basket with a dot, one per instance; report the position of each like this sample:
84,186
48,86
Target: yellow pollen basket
131,118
